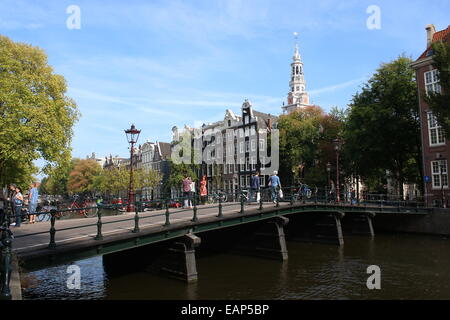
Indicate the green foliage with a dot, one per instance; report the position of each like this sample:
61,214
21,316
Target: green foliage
36,116
146,178
439,103
382,131
56,181
306,145
178,172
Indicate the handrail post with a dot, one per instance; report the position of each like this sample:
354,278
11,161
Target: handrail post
99,235
136,218
52,243
167,214
220,208
5,266
277,195
242,202
194,202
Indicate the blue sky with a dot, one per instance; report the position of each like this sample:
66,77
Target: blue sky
163,63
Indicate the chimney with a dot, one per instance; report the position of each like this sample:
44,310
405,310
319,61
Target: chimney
431,30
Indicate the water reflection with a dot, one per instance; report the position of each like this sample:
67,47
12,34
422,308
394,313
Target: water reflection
412,267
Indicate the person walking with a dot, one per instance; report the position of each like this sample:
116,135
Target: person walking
275,186
186,190
254,187
11,202
33,196
203,189
332,191
18,203
192,194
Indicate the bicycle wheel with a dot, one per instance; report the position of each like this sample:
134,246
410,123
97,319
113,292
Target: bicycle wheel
42,217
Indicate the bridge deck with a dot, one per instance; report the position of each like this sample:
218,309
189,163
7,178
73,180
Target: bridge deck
31,240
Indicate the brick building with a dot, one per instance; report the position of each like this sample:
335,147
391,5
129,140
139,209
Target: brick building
435,145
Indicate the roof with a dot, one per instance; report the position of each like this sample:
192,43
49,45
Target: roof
263,118
165,149
443,35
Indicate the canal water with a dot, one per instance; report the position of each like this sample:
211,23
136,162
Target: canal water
412,267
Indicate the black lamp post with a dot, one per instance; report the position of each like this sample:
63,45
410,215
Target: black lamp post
132,137
337,147
329,172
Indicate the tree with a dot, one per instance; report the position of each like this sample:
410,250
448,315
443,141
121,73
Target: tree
306,145
36,116
146,179
56,181
382,132
82,177
439,102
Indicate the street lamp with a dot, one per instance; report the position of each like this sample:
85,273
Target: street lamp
132,137
337,147
329,172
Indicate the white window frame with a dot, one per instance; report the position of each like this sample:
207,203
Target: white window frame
262,144
435,132
438,170
241,147
432,82
253,144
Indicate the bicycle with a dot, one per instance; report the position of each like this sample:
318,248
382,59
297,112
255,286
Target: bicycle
219,195
304,192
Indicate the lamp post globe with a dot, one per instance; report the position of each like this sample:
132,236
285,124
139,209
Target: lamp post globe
132,137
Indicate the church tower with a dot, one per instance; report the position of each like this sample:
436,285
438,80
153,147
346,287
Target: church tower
297,97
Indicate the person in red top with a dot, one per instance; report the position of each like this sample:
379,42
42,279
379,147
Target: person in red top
203,189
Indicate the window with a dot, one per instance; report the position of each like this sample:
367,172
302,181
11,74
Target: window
253,163
242,181
432,81
247,164
229,123
435,131
247,146
241,147
439,172
253,144
262,180
262,144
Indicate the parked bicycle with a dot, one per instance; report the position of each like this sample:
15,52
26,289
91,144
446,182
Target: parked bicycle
215,196
304,192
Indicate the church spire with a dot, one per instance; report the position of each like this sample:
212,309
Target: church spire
297,97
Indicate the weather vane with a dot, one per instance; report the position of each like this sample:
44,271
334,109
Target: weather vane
296,36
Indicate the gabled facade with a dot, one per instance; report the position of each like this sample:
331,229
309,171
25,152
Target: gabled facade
435,145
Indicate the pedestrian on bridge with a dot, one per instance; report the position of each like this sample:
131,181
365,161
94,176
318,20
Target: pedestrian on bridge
203,189
254,187
186,190
33,196
18,203
275,186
